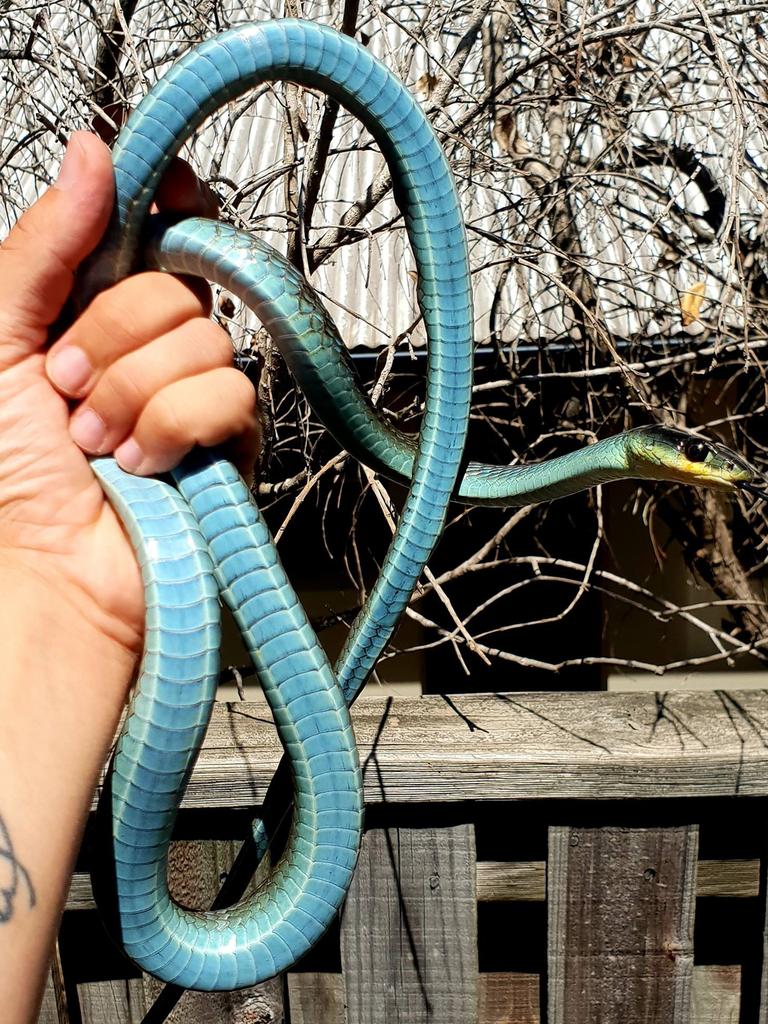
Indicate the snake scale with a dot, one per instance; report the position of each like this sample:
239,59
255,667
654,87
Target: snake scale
205,537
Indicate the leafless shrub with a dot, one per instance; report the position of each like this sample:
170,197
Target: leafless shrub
613,165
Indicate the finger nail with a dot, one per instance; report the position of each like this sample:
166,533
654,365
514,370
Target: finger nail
88,430
72,166
129,456
69,369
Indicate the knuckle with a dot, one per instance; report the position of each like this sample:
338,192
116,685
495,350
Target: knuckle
240,391
112,316
172,291
165,422
212,342
119,388
141,308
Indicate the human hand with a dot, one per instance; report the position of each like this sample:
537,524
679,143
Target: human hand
142,373
157,373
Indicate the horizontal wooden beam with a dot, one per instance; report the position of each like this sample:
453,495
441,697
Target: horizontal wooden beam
526,881
576,746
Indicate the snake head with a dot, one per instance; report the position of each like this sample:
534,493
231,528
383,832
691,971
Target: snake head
666,453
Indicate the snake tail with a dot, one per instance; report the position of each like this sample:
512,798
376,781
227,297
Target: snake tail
168,716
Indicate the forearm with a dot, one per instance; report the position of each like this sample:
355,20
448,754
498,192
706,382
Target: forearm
62,686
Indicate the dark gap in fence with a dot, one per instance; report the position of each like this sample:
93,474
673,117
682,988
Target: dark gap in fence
83,930
512,937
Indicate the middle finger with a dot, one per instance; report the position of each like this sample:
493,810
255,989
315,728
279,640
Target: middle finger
120,320
110,412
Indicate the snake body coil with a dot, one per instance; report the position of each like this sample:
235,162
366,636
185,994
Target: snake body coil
209,536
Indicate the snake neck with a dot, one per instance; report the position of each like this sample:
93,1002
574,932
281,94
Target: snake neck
511,486
575,471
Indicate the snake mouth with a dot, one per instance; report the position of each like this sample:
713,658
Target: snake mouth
757,489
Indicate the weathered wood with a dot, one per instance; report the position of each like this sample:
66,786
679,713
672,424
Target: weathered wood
319,999
316,998
49,1013
59,985
53,1008
502,999
763,1014
255,1005
621,908
729,878
511,881
509,999
525,881
513,747
115,1002
80,896
501,748
409,928
716,995
196,870
502,881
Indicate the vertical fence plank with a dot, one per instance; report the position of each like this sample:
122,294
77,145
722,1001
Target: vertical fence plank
716,995
509,999
621,909
409,928
763,1018
54,1009
112,1002
49,1012
316,998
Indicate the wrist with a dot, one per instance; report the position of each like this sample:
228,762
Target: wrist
55,638
39,595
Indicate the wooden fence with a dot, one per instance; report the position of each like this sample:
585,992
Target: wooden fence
570,858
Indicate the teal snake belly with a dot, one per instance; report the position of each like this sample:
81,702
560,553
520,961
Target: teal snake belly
206,537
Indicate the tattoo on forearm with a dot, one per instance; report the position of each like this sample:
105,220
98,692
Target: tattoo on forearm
13,877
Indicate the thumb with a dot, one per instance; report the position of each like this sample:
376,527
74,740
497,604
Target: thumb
39,257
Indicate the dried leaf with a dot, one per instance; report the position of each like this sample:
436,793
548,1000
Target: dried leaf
426,84
690,303
226,306
504,131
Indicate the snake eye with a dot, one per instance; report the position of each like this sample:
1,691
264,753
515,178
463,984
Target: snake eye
696,451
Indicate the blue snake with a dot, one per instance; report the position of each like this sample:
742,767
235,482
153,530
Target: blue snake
205,536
